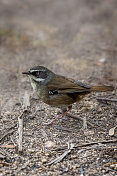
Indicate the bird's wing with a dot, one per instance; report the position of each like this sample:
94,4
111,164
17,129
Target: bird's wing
62,85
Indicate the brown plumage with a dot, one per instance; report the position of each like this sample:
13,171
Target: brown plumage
57,90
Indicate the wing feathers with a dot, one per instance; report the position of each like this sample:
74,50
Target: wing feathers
66,86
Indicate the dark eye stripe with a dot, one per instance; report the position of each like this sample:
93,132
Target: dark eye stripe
39,74
36,73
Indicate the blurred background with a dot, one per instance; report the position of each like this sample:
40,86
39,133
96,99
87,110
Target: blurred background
76,38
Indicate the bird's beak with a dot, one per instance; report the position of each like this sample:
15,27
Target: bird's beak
26,73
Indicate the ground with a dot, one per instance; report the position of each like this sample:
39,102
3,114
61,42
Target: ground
77,39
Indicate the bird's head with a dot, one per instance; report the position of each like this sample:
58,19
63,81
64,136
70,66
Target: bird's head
39,74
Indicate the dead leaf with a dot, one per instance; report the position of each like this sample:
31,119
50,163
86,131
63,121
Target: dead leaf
112,131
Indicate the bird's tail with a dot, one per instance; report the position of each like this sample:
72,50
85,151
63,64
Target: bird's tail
102,88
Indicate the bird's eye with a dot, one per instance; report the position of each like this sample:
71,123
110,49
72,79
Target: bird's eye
36,73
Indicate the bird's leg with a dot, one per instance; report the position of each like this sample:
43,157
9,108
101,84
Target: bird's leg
64,110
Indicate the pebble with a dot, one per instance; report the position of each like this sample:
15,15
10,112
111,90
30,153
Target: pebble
50,144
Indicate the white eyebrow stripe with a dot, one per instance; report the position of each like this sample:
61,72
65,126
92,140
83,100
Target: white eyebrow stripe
35,70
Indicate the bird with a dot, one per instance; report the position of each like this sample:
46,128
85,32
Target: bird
59,91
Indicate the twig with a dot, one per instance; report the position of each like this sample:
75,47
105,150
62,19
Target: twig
11,129
107,99
59,158
25,105
13,141
78,118
20,131
6,134
6,153
63,128
96,143
89,144
14,125
84,123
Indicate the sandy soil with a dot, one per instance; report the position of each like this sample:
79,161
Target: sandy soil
77,39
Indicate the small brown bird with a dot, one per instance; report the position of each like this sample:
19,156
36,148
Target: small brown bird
59,91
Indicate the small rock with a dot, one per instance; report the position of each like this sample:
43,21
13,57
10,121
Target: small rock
50,144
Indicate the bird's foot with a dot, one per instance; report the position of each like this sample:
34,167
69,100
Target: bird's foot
52,121
57,117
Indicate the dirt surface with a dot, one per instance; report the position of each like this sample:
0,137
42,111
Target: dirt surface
75,38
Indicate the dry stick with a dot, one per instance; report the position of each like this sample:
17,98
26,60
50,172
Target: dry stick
78,118
12,129
7,133
107,99
84,123
6,153
90,144
63,128
95,143
26,103
60,158
20,131
12,126
12,140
